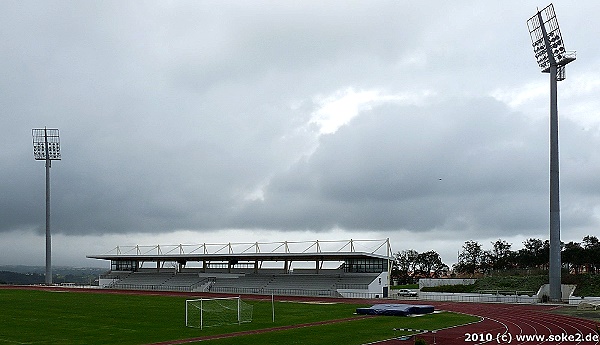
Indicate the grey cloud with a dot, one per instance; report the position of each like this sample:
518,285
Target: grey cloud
469,166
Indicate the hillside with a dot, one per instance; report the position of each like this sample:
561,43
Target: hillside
26,275
587,284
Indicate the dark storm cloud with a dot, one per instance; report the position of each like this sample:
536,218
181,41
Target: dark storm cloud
459,165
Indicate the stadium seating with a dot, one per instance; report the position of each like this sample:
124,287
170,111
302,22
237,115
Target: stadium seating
265,282
292,284
160,281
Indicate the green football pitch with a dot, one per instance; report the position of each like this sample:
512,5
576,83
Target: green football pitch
73,317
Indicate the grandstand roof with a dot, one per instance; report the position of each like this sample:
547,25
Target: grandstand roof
271,251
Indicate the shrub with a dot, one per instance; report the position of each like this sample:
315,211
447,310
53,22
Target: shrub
420,341
587,284
512,283
461,288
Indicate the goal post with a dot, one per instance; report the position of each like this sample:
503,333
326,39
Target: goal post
208,312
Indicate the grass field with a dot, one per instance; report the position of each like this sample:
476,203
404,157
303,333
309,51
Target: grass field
46,317
584,314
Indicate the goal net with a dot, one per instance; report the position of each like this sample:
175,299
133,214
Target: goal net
208,312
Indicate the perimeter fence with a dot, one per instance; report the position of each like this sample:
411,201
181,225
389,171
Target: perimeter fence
484,296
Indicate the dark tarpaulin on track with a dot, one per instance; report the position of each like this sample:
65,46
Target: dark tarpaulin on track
396,309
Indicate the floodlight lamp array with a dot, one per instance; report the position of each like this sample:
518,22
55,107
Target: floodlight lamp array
547,42
558,50
40,138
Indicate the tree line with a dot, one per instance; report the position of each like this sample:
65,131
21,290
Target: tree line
576,257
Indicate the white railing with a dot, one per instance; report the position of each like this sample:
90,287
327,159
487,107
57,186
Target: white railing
381,247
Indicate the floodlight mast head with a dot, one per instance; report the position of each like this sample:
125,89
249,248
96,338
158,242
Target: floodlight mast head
547,42
46,146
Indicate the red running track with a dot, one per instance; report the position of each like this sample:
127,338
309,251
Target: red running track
505,323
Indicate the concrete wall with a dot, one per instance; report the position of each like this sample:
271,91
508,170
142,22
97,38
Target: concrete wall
379,283
106,282
375,289
476,297
566,290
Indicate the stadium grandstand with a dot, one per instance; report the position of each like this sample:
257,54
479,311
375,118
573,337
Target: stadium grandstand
349,268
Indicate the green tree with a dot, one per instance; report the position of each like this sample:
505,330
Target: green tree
534,254
591,247
405,263
469,259
502,256
573,257
430,264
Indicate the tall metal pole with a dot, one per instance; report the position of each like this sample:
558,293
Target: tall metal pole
46,147
552,57
555,260
48,235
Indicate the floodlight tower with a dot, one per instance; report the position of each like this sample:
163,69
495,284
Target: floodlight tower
46,146
552,58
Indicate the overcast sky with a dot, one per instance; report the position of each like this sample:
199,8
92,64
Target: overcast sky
425,122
